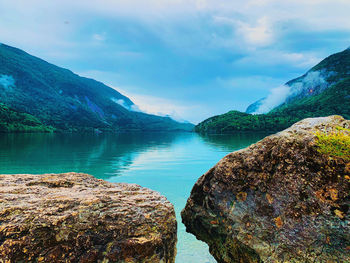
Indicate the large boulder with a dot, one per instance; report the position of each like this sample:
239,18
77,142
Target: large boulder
76,218
282,199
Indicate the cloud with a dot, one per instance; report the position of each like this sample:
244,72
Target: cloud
99,37
300,60
276,97
156,105
259,34
280,60
193,58
7,81
122,103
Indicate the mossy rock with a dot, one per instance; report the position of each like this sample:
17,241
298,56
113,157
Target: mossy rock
283,199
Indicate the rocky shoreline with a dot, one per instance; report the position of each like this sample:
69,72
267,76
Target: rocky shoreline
284,199
75,217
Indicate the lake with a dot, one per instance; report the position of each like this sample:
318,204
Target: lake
169,163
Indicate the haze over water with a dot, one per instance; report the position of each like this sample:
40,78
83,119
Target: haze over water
169,163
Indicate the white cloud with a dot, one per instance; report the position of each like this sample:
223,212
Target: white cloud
250,84
179,111
158,106
254,30
99,37
255,23
315,13
300,60
279,95
122,103
260,34
312,80
276,97
269,57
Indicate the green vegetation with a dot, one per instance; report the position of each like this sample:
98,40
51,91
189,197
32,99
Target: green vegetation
333,101
339,63
314,100
14,121
335,143
59,98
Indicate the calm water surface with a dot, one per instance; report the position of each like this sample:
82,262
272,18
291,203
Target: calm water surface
166,162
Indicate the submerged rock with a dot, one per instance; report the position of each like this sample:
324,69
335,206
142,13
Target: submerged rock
76,218
279,200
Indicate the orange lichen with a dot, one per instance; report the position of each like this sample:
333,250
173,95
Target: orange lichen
241,196
320,195
347,168
278,222
214,222
333,194
269,198
327,195
339,213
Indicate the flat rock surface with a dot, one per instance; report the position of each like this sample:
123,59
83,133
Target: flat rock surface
279,200
77,218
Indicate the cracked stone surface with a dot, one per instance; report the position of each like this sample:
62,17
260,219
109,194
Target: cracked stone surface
75,217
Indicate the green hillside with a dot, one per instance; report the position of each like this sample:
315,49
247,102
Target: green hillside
322,91
325,74
14,121
333,101
59,98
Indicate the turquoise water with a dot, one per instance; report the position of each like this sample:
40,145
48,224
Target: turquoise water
169,163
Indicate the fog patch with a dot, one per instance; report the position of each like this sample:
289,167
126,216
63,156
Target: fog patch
174,116
313,81
7,81
122,103
276,97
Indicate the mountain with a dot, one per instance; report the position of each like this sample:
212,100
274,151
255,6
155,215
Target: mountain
322,91
322,76
254,107
58,98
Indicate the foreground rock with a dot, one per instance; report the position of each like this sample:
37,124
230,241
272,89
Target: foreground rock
279,200
77,218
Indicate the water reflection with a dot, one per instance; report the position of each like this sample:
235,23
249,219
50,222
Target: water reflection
103,155
232,142
169,163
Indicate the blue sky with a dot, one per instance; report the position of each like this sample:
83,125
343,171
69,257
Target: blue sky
191,59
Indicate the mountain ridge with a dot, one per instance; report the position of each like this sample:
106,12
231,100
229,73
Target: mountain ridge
330,95
320,77
59,98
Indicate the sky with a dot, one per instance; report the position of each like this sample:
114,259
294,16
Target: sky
190,59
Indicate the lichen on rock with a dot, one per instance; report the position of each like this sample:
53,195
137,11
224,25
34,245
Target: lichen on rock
279,200
77,218
335,142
